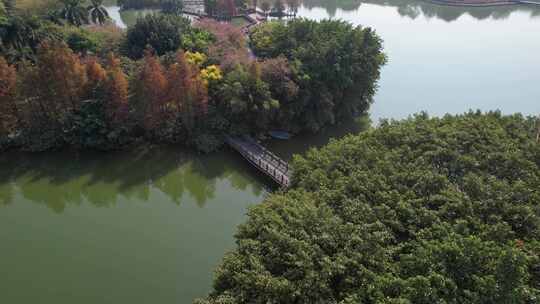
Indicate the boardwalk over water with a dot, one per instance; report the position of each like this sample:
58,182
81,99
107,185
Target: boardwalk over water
264,160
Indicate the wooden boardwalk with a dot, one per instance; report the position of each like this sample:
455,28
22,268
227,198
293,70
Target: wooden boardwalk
264,160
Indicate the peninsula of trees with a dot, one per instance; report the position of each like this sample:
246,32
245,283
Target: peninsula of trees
67,80
426,210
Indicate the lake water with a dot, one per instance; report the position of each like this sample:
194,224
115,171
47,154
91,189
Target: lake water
129,227
149,226
448,59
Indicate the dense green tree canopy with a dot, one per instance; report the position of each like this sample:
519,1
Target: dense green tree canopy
164,33
338,66
440,210
21,35
174,7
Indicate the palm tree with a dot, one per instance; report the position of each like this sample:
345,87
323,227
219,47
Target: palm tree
97,12
73,12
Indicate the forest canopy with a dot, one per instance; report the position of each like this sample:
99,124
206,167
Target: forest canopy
168,80
336,67
425,210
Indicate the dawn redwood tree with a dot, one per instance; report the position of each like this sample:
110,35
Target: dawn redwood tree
96,76
117,92
56,85
186,92
150,88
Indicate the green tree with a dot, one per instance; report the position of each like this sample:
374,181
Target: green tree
338,66
425,210
20,36
174,7
164,33
248,98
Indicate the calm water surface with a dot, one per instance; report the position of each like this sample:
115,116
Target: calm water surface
132,227
149,226
448,59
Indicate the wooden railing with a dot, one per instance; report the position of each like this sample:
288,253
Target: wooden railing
262,158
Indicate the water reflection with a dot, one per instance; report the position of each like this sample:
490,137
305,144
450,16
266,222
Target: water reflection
413,9
61,179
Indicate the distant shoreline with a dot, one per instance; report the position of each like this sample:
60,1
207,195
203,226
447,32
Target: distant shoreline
480,3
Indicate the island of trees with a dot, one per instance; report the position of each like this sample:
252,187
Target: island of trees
425,210
69,78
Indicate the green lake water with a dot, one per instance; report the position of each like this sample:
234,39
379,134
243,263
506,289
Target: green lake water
150,225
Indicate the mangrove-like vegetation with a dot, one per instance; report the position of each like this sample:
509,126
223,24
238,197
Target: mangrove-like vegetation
425,210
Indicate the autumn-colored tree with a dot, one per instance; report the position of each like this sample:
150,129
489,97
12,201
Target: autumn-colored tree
96,75
8,108
150,86
229,48
187,91
57,83
117,90
279,76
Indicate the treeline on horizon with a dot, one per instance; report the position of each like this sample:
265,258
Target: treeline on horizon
165,80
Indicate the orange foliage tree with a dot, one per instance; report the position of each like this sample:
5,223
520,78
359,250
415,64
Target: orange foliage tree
150,86
229,48
186,92
117,90
96,76
54,87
